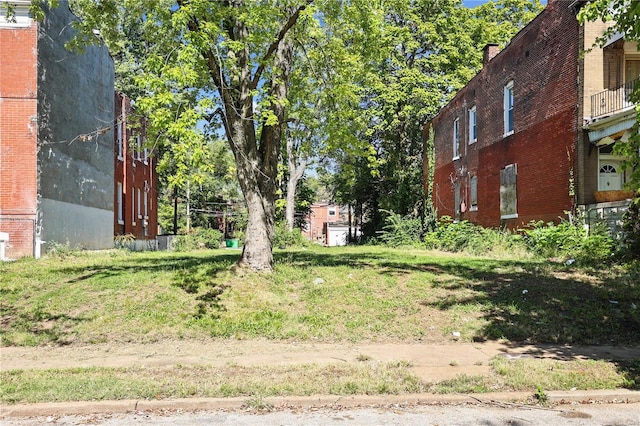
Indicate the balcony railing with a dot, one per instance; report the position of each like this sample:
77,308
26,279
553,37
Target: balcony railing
611,101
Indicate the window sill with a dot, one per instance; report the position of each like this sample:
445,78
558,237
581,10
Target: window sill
473,208
509,216
120,158
509,133
456,158
473,141
121,222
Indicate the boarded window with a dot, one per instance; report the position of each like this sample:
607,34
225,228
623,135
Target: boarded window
508,194
473,189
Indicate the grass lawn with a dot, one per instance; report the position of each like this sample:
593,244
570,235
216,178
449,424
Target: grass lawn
354,294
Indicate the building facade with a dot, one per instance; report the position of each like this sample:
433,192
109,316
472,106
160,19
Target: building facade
517,143
56,137
136,184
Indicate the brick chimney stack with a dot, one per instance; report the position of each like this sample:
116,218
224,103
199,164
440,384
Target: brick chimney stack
490,50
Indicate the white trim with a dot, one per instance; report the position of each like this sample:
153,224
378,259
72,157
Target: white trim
456,138
475,124
508,105
22,16
509,216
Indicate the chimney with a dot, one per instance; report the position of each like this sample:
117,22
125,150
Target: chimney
490,50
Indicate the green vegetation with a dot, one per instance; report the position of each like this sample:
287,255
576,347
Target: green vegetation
364,377
340,294
86,384
351,294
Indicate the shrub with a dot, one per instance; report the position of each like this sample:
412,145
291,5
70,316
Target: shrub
570,240
631,228
124,241
285,238
199,238
400,230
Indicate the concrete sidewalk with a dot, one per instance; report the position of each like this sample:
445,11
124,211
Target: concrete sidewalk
432,363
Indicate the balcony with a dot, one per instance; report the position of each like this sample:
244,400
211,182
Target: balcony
612,101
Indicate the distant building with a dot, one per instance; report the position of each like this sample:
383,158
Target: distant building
531,136
328,224
136,183
56,135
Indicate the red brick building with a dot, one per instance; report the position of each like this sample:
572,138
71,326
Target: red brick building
513,145
56,143
136,183
18,133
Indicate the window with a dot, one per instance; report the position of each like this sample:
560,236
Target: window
456,138
473,189
133,206
456,201
146,207
473,137
139,200
508,192
120,212
145,222
139,148
508,109
120,142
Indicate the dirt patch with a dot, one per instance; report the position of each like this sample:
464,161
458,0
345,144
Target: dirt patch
432,363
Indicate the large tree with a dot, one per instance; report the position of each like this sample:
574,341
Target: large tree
234,58
429,50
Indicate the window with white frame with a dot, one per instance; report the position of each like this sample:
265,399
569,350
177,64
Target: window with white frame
133,206
473,136
456,138
473,193
120,141
508,108
139,201
120,211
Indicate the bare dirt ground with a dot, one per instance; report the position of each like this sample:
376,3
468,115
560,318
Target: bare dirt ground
431,363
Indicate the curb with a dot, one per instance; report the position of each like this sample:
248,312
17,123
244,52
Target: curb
321,401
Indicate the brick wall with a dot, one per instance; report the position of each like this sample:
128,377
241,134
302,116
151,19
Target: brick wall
137,176
542,62
18,137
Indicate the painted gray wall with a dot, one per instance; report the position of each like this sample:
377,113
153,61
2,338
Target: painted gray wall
76,176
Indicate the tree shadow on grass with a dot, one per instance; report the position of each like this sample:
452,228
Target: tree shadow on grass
43,326
560,312
196,274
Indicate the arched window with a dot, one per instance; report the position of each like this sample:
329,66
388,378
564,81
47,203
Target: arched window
608,168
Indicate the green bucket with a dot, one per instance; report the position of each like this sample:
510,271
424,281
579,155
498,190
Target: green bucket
232,243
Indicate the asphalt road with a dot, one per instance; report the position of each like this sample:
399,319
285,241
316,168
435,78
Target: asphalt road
622,414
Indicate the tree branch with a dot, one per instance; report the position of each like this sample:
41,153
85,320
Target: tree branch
272,48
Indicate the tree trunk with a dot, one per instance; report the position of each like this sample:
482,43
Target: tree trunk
257,169
296,171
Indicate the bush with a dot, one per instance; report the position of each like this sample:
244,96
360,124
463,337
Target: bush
199,238
631,228
400,231
570,240
285,238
